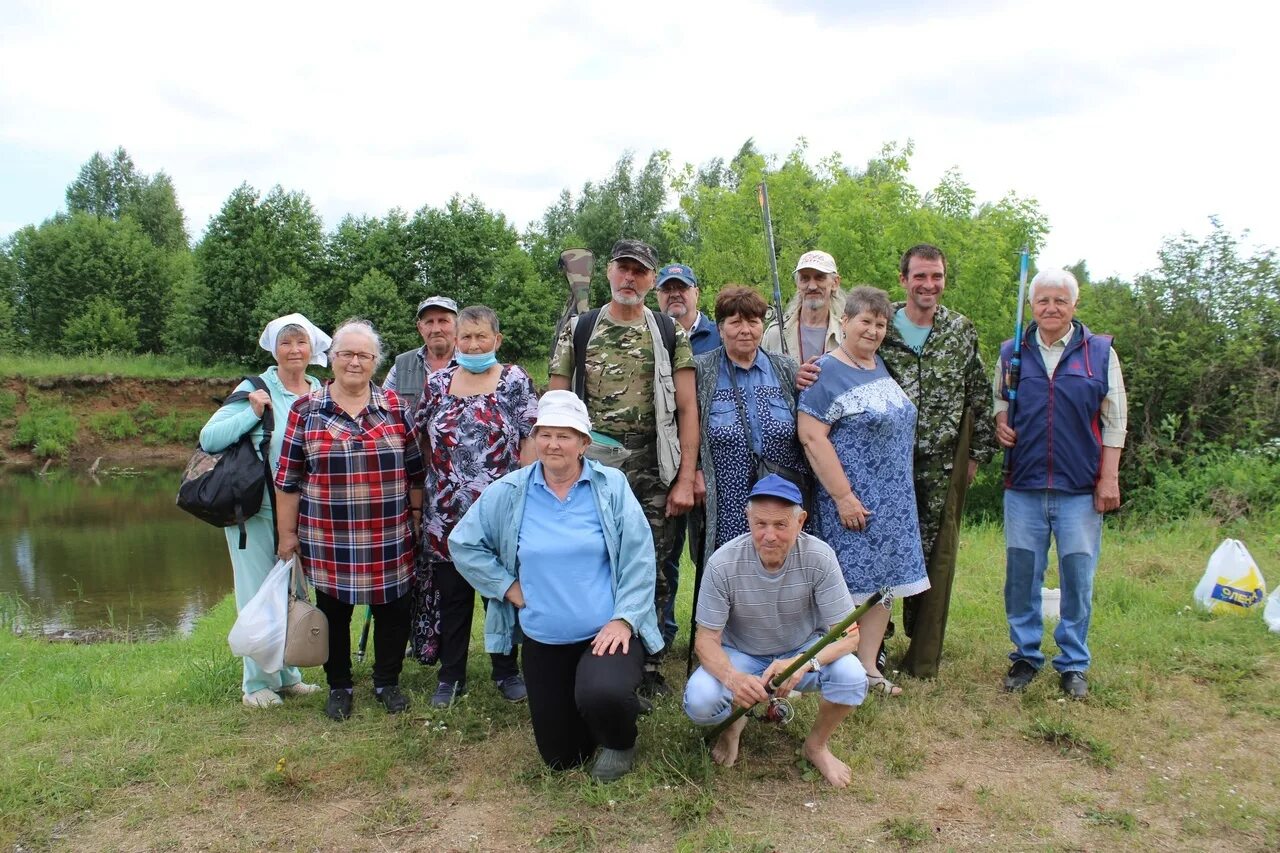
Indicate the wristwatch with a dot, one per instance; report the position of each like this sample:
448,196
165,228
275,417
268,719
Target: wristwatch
814,665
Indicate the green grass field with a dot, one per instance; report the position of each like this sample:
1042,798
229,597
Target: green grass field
145,746
41,365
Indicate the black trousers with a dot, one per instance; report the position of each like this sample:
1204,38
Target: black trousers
578,701
390,636
457,606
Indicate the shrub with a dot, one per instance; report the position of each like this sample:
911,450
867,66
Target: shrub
101,326
114,426
48,430
1226,484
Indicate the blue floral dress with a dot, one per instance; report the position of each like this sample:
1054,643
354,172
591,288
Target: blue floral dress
873,432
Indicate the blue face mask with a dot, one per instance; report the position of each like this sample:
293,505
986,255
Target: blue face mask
476,363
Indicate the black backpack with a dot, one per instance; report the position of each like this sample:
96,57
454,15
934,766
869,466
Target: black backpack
583,327
225,488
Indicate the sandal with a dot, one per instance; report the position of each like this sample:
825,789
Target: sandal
883,686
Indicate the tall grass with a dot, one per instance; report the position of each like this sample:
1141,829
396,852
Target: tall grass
41,365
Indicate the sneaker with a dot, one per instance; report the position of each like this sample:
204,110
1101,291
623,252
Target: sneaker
613,764
512,688
1019,676
653,685
339,705
299,688
264,698
447,692
1073,684
392,699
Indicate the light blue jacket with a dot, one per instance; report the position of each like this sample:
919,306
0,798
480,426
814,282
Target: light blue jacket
483,546
235,419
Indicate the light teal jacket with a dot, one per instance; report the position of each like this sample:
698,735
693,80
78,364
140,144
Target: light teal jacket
483,546
235,419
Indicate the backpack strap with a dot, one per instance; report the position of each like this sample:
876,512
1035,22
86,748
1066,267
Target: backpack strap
584,325
667,327
264,450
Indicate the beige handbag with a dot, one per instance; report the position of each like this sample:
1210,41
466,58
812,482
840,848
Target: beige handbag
306,636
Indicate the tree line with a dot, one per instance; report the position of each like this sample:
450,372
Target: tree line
117,271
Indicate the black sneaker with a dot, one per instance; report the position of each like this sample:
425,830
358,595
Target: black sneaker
339,705
392,699
1074,684
512,688
1019,676
447,692
653,685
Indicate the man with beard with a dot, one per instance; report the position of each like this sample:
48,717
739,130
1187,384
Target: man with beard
678,299
438,325
634,370
811,325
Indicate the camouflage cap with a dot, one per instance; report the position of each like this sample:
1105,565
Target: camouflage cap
677,272
636,251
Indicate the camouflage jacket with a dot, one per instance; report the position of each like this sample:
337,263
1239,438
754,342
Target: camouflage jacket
943,380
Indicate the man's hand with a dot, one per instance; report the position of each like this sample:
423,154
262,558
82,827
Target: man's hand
515,595
853,515
778,666
808,373
748,690
1005,435
1106,494
699,488
259,400
680,498
615,634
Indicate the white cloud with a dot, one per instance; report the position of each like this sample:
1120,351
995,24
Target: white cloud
1127,121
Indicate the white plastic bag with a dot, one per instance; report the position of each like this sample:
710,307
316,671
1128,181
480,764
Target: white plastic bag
1232,582
260,627
1272,611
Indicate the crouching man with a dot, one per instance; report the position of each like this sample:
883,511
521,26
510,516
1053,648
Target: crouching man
766,597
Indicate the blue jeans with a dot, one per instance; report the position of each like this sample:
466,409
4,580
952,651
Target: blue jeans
671,571
1030,518
708,702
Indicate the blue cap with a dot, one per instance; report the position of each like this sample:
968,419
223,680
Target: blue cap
775,486
677,271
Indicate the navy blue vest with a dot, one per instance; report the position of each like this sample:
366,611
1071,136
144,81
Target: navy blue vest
1056,417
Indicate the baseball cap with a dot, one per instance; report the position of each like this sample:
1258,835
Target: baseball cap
437,302
563,409
816,260
776,486
679,272
636,251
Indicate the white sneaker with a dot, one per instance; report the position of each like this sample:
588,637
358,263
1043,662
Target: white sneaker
264,698
299,688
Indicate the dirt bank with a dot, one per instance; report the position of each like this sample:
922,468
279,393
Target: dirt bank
165,414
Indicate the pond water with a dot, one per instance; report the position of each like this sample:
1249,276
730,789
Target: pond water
80,554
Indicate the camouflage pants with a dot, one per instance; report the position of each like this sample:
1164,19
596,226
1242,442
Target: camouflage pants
641,468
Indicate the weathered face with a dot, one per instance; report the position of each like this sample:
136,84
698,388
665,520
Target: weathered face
1052,309
476,337
354,356
629,281
439,328
816,287
293,350
559,448
677,299
741,336
924,282
775,525
864,332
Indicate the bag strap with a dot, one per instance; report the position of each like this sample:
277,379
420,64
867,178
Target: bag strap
297,580
264,450
584,325
667,327
739,404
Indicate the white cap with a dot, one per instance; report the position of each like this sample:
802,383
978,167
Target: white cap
563,409
815,260
319,340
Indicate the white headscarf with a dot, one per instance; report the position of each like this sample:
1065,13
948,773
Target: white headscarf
319,340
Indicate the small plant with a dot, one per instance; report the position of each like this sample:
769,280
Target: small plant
1118,818
48,429
8,406
1068,738
114,426
907,831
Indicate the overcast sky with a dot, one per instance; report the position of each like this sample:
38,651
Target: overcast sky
1128,122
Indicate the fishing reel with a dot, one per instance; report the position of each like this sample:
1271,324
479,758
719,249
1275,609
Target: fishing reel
778,711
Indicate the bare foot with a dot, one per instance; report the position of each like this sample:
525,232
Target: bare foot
725,750
832,769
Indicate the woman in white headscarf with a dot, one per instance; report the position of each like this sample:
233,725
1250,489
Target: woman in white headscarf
295,342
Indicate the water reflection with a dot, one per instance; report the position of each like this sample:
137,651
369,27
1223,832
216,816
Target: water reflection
75,554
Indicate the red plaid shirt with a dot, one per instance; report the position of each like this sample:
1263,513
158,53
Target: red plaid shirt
354,475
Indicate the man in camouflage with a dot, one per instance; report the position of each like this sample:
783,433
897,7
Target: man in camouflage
619,390
932,352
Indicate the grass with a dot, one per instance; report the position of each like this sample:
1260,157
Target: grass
43,365
145,745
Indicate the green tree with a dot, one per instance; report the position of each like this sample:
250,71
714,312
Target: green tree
113,188
374,298
284,296
100,326
185,327
10,336
360,245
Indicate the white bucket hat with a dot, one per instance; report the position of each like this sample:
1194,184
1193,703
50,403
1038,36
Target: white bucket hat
563,409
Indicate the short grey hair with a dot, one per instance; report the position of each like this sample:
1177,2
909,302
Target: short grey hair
293,329
1055,278
864,297
479,314
796,509
362,326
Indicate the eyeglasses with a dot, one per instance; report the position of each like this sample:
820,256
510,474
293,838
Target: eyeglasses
674,284
348,355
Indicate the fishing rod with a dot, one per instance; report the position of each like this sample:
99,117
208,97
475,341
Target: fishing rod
762,196
1015,357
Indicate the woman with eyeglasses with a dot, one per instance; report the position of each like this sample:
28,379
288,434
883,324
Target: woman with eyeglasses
349,503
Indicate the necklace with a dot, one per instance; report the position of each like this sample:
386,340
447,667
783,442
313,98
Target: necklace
854,359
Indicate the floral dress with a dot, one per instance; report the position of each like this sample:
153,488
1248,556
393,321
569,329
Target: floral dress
873,432
468,442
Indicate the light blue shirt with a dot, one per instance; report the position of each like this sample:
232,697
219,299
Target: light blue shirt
564,565
912,335
760,374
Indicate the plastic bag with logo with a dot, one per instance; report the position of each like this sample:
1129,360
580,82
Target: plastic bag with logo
1232,582
260,628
